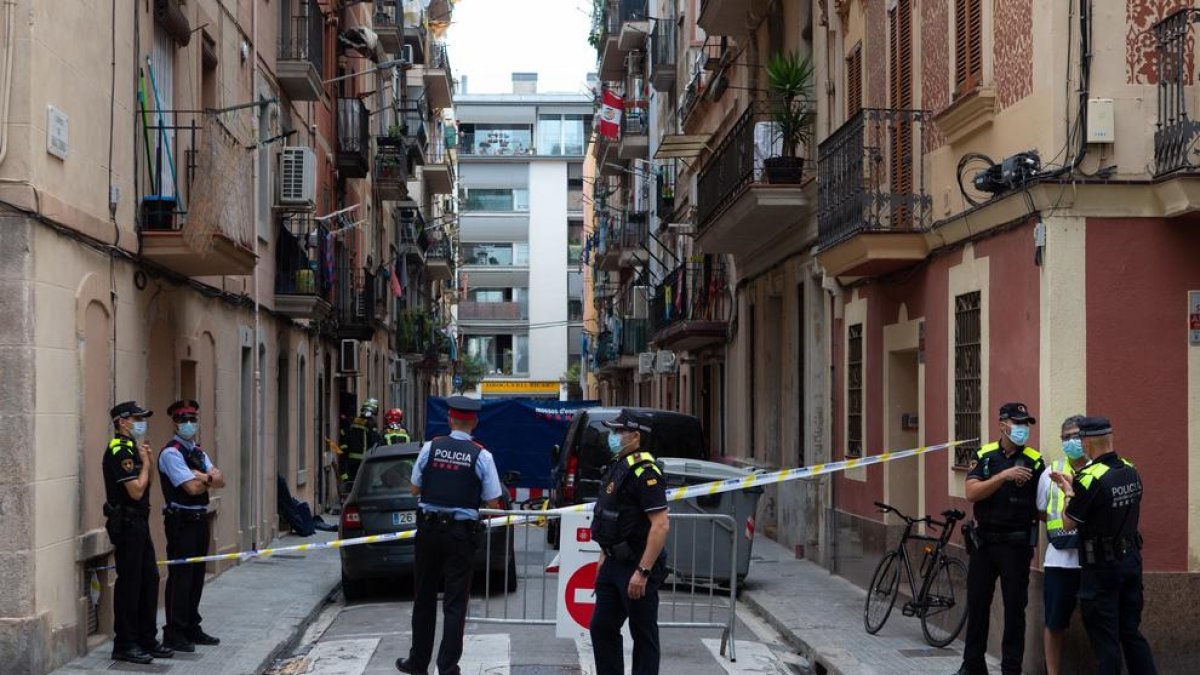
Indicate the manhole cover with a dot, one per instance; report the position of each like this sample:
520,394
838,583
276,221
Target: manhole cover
545,670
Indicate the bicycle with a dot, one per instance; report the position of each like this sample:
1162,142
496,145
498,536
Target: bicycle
940,601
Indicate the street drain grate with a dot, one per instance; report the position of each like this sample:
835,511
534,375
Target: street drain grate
927,653
543,670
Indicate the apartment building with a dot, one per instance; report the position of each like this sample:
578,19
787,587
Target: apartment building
520,308
996,204
210,204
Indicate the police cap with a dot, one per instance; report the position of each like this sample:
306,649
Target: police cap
1017,412
463,408
128,409
184,407
1094,426
628,420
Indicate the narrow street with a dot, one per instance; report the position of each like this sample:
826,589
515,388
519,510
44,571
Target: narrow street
367,636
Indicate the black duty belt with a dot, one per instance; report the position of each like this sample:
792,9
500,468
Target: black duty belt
189,515
125,511
1008,538
442,518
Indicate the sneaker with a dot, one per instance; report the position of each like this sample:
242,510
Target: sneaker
132,655
159,651
201,638
404,666
179,644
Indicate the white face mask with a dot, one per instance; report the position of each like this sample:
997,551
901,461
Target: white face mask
138,430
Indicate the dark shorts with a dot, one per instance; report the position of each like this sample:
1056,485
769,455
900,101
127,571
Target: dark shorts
1059,592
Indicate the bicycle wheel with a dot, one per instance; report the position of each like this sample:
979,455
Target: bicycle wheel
881,594
944,610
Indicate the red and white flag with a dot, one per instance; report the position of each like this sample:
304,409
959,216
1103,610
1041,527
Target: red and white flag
611,108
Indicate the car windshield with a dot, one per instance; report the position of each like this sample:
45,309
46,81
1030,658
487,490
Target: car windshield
387,477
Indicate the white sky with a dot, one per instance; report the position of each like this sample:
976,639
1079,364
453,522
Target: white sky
490,39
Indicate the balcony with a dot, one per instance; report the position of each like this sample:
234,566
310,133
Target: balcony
738,209
386,24
353,139
411,238
439,261
391,172
690,308
358,305
731,17
439,83
622,238
665,192
635,136
493,311
417,336
439,164
873,210
301,285
196,215
618,350
635,24
1176,133
663,68
415,34
301,63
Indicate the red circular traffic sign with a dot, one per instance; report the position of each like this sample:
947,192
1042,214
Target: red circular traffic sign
581,600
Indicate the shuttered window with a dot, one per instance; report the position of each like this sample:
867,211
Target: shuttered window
901,149
968,45
854,77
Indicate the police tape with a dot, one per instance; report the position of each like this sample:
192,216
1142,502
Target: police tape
675,494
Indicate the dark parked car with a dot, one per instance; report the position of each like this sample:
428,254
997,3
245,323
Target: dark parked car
380,502
580,461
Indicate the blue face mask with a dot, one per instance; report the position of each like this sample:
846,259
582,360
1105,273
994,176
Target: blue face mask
138,430
1073,449
187,430
614,442
1018,433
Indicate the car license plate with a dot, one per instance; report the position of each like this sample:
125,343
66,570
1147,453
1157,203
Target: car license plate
404,517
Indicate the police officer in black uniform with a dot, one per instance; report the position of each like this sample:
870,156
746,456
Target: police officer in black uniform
630,524
1105,502
452,476
127,479
187,476
1002,484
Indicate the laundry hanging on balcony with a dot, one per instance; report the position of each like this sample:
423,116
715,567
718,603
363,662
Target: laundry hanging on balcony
611,108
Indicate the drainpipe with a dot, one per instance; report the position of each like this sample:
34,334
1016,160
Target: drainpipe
256,471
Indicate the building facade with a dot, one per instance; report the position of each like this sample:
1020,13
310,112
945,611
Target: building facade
521,193
213,205
995,203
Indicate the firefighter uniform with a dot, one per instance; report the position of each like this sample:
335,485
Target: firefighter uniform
394,436
358,438
1005,534
454,475
632,487
135,595
1106,506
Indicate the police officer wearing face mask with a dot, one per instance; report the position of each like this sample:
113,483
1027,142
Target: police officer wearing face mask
630,524
127,479
187,476
1002,484
1104,503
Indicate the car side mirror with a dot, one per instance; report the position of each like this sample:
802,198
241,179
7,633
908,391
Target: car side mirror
555,453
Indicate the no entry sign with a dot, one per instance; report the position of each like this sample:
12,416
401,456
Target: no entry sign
580,595
578,556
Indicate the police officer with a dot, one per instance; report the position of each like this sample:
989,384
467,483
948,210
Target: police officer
127,479
1060,584
187,476
394,432
1002,484
630,524
359,437
1104,503
451,476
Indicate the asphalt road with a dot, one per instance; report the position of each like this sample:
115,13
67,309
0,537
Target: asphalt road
367,636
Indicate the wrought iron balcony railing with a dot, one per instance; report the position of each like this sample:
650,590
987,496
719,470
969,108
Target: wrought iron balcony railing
1176,133
666,189
300,257
353,139
304,37
663,52
871,177
693,291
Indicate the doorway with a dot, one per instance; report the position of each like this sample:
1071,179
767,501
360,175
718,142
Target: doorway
903,429
282,428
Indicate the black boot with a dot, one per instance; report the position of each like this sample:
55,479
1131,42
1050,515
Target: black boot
199,637
133,654
404,666
159,651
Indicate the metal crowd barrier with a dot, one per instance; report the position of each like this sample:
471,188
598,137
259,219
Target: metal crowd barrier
700,590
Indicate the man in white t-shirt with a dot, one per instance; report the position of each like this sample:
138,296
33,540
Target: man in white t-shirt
1061,568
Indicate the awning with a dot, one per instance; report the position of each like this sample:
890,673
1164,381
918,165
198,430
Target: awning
682,145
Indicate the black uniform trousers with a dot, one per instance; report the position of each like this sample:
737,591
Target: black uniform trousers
613,606
187,537
135,596
1110,599
445,553
1010,563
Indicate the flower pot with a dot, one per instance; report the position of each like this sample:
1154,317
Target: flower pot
784,170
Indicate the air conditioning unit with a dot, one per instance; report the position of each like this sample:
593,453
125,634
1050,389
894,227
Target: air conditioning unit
645,363
639,301
297,177
348,356
406,54
665,362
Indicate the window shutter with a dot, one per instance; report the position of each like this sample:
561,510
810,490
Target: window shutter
960,45
901,142
854,82
968,45
975,30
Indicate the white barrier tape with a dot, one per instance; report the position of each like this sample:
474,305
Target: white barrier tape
676,494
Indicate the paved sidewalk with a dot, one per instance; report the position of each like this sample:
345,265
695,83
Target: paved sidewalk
258,609
820,614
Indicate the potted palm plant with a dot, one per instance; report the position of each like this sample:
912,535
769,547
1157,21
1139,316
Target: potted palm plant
790,80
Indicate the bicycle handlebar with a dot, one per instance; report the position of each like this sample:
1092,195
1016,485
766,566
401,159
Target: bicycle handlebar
951,515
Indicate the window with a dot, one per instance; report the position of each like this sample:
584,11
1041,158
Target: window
496,139
503,255
574,242
497,199
501,354
854,76
968,381
575,188
562,134
854,391
968,45
901,95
